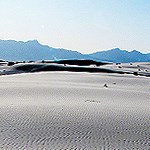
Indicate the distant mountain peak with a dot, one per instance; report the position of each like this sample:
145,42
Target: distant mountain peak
135,51
118,55
32,41
116,49
12,50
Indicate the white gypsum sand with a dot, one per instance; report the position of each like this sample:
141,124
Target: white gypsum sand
66,110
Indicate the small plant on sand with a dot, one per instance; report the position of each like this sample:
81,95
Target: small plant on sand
10,63
105,85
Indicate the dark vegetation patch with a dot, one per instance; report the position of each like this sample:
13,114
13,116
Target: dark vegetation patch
10,63
79,62
48,67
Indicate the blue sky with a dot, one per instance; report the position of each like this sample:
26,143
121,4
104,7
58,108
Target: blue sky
83,25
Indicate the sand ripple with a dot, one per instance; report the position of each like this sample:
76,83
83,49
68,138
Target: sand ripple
67,116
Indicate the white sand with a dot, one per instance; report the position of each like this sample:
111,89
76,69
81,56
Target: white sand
74,111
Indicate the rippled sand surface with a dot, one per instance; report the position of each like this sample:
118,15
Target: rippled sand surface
63,110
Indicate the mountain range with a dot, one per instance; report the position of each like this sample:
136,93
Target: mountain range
12,50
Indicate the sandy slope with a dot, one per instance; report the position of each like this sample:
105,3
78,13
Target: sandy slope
63,110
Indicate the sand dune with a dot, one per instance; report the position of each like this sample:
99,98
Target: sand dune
66,110
140,69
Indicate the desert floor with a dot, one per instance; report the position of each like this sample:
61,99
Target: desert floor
74,111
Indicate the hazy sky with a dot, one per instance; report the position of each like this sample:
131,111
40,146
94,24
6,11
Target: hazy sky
83,25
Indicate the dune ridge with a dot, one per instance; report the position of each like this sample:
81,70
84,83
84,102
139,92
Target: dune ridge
90,66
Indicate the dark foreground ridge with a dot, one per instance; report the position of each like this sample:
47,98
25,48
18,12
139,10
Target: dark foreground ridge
89,66
53,67
66,65
56,67
81,62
